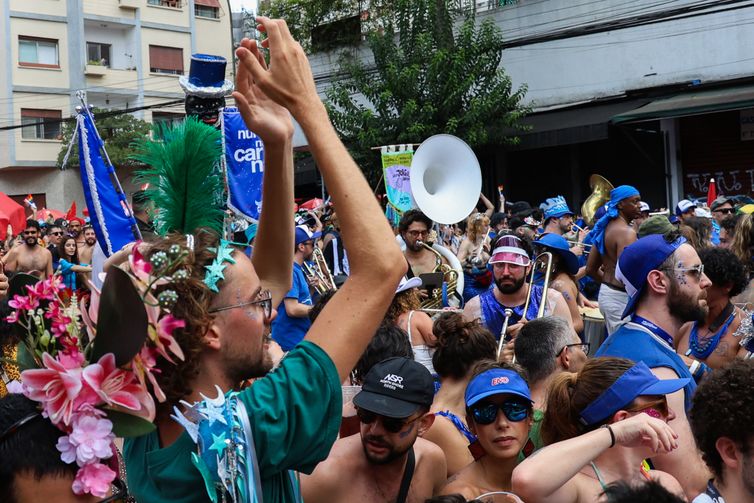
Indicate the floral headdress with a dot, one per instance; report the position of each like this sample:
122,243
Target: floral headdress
91,364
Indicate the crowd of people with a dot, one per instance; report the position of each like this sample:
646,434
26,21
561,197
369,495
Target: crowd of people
421,363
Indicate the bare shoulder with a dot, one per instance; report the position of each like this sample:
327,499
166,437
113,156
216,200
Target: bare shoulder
327,475
471,309
668,482
428,450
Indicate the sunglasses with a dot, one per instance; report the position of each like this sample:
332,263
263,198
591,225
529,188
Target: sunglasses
486,412
56,234
725,211
391,424
656,408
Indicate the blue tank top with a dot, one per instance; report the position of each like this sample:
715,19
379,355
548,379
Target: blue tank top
493,312
637,344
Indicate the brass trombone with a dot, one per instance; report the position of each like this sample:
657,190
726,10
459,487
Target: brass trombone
318,275
544,259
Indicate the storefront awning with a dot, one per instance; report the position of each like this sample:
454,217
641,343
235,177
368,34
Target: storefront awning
575,124
693,103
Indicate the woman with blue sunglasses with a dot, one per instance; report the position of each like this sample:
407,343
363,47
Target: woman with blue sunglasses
599,426
499,413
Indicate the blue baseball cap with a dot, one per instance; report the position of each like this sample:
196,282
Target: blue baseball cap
303,234
638,259
559,245
496,382
683,206
636,381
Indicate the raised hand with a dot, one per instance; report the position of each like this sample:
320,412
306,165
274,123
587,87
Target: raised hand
288,80
642,430
268,120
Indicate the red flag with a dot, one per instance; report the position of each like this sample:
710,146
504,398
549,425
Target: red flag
711,192
71,212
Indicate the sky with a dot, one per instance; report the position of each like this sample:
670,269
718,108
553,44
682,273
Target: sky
248,4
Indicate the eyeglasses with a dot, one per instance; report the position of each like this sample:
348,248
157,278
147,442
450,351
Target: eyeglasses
695,272
391,424
584,346
264,299
486,412
656,408
120,492
416,234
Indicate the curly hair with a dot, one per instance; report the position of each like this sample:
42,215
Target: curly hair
460,344
476,225
723,267
403,302
723,407
193,308
743,241
412,216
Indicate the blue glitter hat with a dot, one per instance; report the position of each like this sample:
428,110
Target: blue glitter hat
206,77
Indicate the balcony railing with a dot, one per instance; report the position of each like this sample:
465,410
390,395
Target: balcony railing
175,4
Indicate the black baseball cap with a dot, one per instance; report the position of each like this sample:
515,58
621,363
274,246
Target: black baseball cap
396,387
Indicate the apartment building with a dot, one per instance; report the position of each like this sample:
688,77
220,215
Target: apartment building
123,53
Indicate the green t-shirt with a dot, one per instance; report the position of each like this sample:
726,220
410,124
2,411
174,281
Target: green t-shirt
534,433
294,413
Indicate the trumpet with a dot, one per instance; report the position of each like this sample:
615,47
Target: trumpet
544,259
318,275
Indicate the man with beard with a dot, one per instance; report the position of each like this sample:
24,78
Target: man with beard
292,321
294,412
87,249
387,461
414,228
720,419
665,280
611,234
558,217
29,257
510,266
74,230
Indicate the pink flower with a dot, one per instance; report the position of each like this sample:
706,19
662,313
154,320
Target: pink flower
23,303
118,387
12,317
71,358
140,267
94,479
144,364
60,321
61,390
165,328
90,439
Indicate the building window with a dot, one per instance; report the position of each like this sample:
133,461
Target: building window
42,124
204,11
39,52
165,60
176,4
98,54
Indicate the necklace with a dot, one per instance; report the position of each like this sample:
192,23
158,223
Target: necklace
702,348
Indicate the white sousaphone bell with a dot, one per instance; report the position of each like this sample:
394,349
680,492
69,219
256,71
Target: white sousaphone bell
445,178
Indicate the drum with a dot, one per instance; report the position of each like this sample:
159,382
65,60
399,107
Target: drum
594,329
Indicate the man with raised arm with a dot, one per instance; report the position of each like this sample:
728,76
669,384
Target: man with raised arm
293,412
611,234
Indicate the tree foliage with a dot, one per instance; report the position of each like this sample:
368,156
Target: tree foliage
428,76
118,130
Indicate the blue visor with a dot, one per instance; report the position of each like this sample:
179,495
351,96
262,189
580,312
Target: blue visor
636,381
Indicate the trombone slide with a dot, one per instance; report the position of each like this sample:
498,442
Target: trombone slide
501,342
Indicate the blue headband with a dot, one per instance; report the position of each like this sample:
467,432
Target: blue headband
617,195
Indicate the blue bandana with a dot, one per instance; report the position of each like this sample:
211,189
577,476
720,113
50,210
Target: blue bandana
617,195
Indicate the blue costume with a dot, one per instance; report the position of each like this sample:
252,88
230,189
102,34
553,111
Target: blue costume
493,312
617,195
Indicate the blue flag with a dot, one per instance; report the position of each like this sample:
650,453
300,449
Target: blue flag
244,165
110,215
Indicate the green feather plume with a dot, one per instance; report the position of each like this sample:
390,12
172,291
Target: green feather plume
184,176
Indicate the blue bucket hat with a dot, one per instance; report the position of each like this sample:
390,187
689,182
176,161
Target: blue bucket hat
555,207
637,260
636,381
559,245
496,382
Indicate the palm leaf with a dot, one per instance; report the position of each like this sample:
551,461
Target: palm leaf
184,177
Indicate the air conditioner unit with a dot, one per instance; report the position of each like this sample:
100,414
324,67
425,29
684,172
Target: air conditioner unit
129,4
